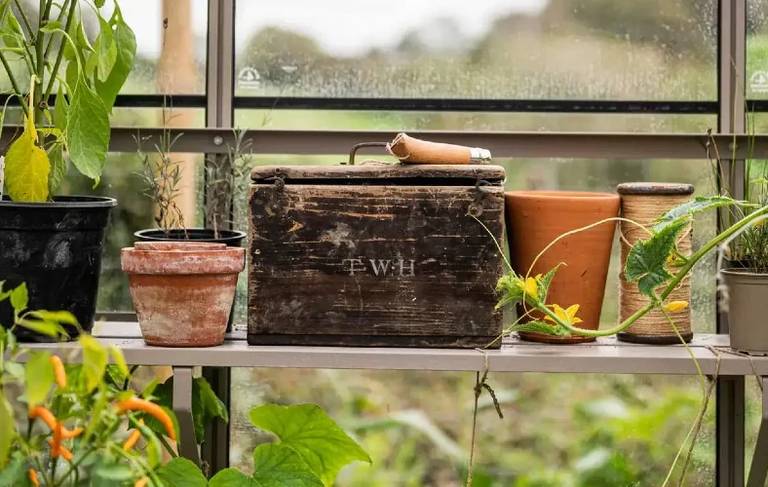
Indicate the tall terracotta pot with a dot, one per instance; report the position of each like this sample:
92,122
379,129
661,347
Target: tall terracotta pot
536,218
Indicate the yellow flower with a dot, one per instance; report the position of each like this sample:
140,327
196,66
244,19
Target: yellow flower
675,306
567,315
531,287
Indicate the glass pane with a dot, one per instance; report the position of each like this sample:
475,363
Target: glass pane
172,59
397,121
558,49
757,49
558,430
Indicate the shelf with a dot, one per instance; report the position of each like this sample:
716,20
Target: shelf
606,356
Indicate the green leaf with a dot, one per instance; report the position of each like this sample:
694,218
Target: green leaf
27,168
20,298
274,466
315,437
7,430
206,406
94,361
647,258
58,168
231,477
696,205
52,26
119,360
109,473
15,473
38,376
181,471
125,44
545,281
47,328
105,52
11,32
63,317
87,131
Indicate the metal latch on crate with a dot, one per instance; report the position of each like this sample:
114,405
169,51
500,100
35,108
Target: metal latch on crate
410,150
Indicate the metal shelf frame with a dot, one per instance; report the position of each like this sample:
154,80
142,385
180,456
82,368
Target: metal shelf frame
605,355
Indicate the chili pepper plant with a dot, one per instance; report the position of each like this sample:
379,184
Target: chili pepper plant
79,423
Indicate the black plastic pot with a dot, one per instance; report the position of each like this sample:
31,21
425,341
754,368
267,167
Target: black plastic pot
56,249
231,238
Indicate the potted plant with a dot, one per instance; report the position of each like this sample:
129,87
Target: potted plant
183,291
744,266
66,86
161,175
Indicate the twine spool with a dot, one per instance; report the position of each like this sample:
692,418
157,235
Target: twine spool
644,203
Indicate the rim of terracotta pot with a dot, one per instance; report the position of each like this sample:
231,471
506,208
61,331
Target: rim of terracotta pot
563,195
224,260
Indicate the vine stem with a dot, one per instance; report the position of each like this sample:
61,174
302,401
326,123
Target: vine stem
679,276
60,54
472,441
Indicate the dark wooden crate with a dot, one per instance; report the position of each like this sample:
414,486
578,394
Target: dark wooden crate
375,255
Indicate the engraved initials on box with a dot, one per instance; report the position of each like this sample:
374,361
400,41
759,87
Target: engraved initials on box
380,267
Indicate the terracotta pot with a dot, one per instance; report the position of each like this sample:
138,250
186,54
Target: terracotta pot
536,218
182,291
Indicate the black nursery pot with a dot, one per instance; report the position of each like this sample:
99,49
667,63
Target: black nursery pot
56,249
231,238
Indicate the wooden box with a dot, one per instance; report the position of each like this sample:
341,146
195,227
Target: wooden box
375,255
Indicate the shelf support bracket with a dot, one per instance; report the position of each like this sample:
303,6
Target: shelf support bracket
758,472
182,407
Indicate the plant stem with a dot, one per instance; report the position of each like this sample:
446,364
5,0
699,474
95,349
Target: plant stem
60,54
24,18
37,99
684,270
471,464
14,85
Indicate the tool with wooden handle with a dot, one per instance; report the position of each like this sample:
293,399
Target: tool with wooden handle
410,150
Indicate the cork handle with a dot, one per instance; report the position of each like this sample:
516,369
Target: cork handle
411,150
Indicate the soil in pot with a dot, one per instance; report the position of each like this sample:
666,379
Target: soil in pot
56,249
536,218
230,238
746,302
182,291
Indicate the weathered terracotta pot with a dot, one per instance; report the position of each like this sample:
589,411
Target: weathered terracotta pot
536,218
182,291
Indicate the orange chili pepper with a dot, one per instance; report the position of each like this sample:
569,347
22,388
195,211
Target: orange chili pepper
142,482
64,452
44,414
132,438
69,434
32,474
56,442
58,371
50,420
137,404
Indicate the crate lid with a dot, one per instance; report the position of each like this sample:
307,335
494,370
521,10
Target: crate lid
424,174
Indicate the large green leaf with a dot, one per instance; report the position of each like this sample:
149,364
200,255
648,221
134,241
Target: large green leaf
273,466
647,258
206,407
105,52
38,375
307,430
20,298
540,327
95,358
125,45
696,205
87,131
181,471
7,430
27,168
